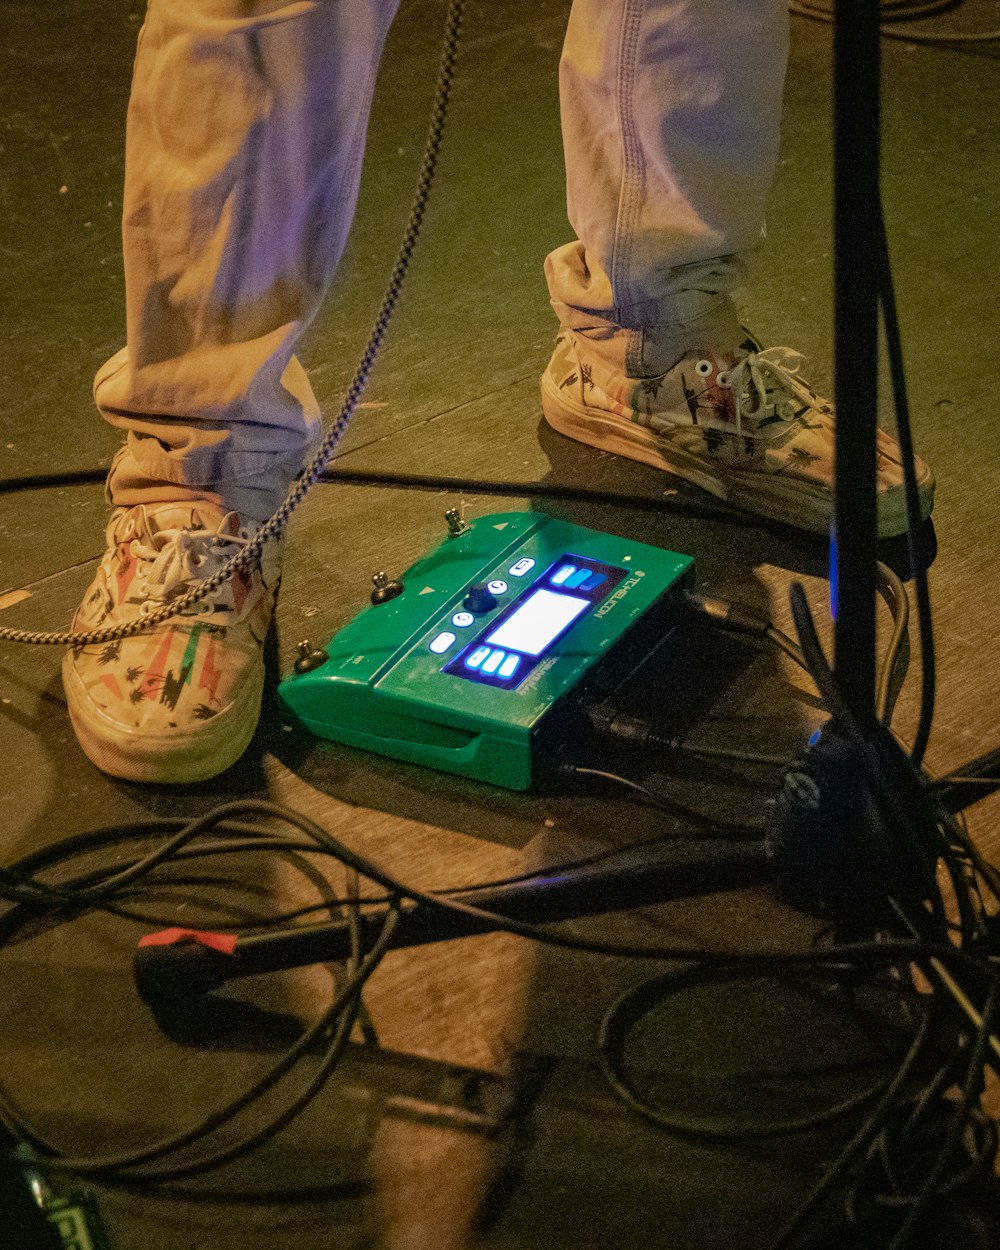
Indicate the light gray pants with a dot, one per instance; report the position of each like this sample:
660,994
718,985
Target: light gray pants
246,130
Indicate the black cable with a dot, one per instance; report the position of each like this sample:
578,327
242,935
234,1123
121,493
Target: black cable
632,1007
39,894
819,668
782,641
895,662
257,840
834,958
971,1090
728,755
342,1014
927,832
981,773
884,754
891,671
103,885
891,10
691,508
705,824
46,481
900,801
337,1016
897,13
894,350
886,953
895,1142
836,1172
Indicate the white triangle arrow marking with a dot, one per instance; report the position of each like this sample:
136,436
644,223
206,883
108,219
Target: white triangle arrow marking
502,526
427,590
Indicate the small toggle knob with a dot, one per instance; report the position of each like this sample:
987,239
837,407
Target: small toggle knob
478,598
309,657
384,589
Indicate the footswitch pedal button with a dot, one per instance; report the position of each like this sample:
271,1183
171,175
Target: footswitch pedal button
442,642
524,565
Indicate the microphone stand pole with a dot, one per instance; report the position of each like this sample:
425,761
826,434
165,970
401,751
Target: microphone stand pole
857,266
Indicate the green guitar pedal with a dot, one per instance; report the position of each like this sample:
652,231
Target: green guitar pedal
480,664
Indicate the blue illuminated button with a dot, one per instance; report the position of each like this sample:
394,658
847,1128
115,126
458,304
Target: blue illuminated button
494,662
593,581
442,642
476,658
509,667
524,565
461,619
563,574
578,578
496,588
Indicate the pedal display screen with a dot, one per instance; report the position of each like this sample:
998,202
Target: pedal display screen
514,642
538,622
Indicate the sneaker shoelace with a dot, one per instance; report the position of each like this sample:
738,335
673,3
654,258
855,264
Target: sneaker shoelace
766,388
175,559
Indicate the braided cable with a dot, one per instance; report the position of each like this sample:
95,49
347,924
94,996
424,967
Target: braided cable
275,525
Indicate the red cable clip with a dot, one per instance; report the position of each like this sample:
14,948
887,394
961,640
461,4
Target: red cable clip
224,942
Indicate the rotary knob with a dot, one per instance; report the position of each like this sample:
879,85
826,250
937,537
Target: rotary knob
478,598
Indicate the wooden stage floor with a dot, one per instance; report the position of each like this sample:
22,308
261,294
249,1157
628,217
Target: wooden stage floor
390,1152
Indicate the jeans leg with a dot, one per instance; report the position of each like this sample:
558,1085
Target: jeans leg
245,134
670,112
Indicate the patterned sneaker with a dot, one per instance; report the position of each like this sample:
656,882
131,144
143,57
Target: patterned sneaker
742,425
180,702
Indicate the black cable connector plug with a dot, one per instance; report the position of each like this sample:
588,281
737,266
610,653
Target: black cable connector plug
610,723
740,620
729,615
